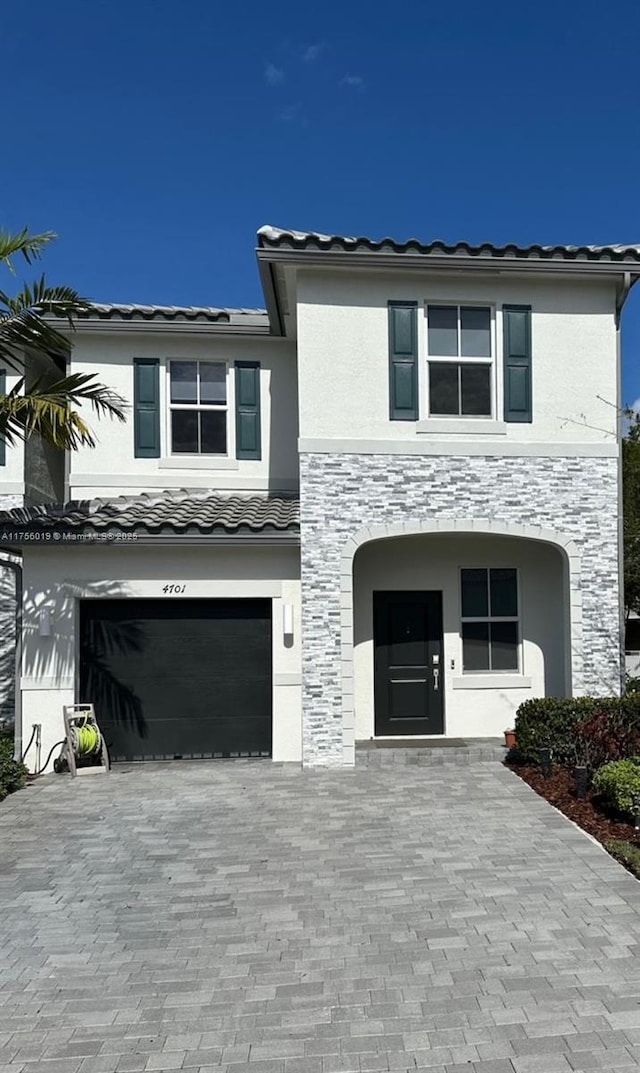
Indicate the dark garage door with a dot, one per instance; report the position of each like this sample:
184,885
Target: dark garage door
178,678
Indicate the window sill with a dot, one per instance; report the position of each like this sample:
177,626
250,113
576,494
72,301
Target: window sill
491,681
207,462
460,427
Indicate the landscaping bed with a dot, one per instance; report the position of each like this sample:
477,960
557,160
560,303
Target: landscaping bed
602,736
559,790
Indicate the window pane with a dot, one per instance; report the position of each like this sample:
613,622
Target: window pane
504,646
504,593
475,597
213,383
475,333
442,331
476,389
475,646
213,432
184,387
184,431
443,388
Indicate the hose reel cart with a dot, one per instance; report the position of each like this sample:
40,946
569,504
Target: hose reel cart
84,751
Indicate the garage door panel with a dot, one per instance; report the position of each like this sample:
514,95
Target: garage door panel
211,698
179,678
184,739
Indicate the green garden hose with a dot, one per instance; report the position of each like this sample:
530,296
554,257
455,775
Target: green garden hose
87,739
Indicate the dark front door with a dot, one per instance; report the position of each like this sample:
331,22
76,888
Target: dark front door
178,678
407,632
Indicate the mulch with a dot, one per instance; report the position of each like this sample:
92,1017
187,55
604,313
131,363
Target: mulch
559,790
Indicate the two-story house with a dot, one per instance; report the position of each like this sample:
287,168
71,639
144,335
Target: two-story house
386,506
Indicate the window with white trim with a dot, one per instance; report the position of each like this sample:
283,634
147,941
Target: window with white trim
460,355
198,407
490,620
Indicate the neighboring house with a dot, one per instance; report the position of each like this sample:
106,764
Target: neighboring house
446,417
632,645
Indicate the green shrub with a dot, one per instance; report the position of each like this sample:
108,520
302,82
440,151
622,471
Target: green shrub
549,723
619,785
610,734
562,723
626,852
13,775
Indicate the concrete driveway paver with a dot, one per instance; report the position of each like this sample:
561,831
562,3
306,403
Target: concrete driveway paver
250,918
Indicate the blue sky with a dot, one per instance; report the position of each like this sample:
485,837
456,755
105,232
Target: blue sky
156,137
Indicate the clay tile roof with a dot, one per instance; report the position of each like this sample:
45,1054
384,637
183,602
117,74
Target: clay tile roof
163,513
118,311
279,238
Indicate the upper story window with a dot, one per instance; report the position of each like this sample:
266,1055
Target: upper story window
463,386
212,408
446,366
198,407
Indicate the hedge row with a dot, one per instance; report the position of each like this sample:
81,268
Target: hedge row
13,775
570,726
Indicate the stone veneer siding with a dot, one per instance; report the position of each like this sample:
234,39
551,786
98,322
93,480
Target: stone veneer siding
7,626
342,493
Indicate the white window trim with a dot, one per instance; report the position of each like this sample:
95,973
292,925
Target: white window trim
492,680
209,461
424,358
461,426
514,671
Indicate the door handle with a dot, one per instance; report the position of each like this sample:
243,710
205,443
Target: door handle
436,676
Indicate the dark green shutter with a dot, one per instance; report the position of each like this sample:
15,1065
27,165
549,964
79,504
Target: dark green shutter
403,361
516,326
3,390
248,438
146,407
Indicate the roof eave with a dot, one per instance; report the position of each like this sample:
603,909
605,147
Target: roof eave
102,325
268,255
262,538
271,296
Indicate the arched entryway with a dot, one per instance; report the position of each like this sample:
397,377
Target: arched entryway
518,635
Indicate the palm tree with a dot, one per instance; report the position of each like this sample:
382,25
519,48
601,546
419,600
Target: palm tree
47,406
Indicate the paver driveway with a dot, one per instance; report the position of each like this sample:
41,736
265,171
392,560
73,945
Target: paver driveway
244,917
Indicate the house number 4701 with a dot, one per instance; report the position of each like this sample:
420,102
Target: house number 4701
174,590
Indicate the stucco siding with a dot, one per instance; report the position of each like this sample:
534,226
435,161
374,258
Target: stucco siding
12,472
341,494
7,642
343,341
111,468
7,615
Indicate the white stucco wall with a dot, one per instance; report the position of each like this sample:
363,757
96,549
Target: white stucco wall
7,642
343,355
12,489
58,578
111,469
12,473
433,563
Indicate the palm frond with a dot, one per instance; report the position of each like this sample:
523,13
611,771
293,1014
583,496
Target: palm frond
30,246
47,409
39,296
22,326
84,387
54,419
26,330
